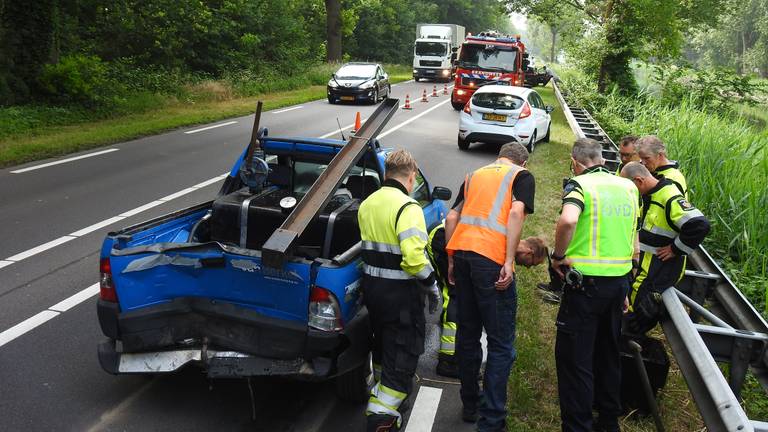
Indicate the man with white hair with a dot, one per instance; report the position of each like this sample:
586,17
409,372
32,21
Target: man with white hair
653,154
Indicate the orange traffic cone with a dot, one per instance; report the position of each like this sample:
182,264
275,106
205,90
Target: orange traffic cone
357,123
434,91
445,89
424,96
407,105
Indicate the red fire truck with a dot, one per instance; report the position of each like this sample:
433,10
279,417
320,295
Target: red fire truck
488,58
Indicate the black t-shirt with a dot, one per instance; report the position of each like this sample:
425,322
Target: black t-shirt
524,187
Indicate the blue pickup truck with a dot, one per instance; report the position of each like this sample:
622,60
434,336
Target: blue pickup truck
190,288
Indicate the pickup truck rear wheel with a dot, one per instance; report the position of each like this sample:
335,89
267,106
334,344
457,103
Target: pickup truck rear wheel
353,385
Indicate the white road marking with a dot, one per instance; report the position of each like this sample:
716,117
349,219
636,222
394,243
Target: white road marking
106,222
38,249
424,410
45,165
26,325
288,109
211,127
14,332
412,119
108,417
74,300
97,226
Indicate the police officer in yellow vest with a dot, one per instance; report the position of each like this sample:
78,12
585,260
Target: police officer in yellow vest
653,154
670,229
483,231
531,251
594,245
396,276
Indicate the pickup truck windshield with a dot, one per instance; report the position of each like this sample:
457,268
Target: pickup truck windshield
431,49
488,57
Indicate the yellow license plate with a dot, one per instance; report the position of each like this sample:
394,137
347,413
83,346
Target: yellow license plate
351,98
495,117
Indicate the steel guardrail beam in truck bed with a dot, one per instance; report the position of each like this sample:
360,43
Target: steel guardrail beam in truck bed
281,243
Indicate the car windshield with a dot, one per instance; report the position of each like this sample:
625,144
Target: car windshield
488,57
431,48
497,101
352,72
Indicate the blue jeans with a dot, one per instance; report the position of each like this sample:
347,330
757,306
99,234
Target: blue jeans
482,306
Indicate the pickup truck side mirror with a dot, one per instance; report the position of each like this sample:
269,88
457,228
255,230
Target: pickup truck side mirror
385,76
549,109
441,193
454,49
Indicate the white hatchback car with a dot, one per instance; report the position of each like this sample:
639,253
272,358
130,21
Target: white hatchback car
498,114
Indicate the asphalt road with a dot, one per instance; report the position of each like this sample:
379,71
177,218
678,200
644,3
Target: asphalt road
53,220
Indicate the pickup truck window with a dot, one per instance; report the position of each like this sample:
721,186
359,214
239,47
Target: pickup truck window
420,191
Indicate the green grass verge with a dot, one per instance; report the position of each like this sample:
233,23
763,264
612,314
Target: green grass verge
44,131
533,403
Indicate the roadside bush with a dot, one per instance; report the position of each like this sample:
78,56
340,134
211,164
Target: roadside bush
79,79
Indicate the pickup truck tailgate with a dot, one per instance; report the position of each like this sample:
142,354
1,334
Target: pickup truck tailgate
146,279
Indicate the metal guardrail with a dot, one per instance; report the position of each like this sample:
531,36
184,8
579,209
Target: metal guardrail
738,334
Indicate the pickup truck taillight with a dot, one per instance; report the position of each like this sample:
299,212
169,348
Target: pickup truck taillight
107,285
324,310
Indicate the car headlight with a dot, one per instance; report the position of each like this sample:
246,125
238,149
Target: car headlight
366,85
446,72
332,84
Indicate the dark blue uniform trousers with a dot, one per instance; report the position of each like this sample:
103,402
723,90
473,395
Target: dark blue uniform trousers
482,306
587,354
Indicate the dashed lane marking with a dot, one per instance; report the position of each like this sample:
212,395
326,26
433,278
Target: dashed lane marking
288,109
58,162
211,127
424,410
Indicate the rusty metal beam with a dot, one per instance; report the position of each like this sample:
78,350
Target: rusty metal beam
281,243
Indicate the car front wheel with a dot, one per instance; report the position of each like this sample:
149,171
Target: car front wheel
549,129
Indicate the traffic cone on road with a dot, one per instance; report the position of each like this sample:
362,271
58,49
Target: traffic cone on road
407,105
445,89
357,123
424,96
434,91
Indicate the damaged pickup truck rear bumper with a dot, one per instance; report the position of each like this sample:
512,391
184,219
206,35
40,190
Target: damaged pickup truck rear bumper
227,340
219,364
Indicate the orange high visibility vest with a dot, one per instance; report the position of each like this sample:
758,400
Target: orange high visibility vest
487,200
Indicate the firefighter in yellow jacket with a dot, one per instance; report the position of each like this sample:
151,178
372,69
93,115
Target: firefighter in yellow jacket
396,277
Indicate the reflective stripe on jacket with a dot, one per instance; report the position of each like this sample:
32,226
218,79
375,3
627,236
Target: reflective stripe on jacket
393,247
603,242
482,228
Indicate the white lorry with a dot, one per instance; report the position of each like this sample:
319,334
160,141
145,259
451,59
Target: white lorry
435,50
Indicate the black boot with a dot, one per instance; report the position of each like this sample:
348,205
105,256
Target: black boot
382,423
447,366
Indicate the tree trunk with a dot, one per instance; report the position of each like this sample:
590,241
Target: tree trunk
333,29
554,40
602,77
